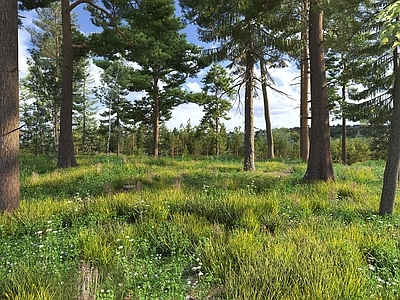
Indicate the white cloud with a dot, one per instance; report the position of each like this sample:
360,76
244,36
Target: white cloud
24,39
183,113
136,96
95,73
193,87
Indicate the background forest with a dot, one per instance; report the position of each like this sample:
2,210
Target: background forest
107,119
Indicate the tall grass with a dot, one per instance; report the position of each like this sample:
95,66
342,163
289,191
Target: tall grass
198,228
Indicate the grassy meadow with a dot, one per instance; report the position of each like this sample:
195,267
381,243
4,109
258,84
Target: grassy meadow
197,228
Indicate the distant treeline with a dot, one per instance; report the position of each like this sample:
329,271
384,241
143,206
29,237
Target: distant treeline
354,131
363,142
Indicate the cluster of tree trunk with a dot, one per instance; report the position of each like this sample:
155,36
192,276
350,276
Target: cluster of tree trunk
239,28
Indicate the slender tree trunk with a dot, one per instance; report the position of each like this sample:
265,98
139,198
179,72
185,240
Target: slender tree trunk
133,143
390,177
66,153
109,127
55,130
84,148
304,135
56,102
249,112
40,149
268,125
118,123
344,148
156,119
320,157
9,107
217,137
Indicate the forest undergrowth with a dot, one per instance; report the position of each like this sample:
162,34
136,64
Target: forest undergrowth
197,228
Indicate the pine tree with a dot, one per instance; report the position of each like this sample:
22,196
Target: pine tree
45,69
216,101
349,33
389,35
37,134
304,83
66,153
320,159
236,26
112,94
84,114
44,79
267,115
151,38
9,108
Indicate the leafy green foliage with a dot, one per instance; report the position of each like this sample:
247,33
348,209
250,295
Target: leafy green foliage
390,31
32,4
365,65
358,149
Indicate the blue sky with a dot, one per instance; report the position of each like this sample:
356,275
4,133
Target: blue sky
284,111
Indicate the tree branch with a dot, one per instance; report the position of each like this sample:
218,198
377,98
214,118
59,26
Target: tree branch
105,12
16,129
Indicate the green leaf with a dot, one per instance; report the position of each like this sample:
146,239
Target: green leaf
396,44
384,41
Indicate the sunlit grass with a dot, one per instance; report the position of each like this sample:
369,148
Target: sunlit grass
144,228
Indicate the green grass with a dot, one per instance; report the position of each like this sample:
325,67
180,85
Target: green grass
199,227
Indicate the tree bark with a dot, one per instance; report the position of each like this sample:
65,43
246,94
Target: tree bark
304,65
249,112
344,147
9,107
118,123
66,153
217,135
320,158
388,196
156,118
84,130
267,116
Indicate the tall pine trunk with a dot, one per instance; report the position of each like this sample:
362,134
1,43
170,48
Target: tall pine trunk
66,153
390,176
9,107
344,147
84,130
267,116
304,135
119,129
156,118
249,112
320,158
217,136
